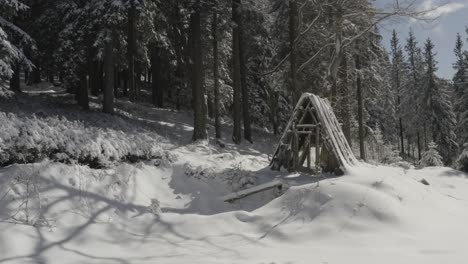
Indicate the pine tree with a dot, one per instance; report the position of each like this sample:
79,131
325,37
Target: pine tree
237,74
198,85
431,157
437,105
12,40
397,81
413,100
460,82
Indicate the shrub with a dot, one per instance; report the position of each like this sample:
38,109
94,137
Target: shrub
30,139
462,161
431,157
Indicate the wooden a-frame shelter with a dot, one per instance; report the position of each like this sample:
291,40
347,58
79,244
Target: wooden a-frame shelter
313,132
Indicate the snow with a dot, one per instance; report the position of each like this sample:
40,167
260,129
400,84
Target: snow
172,211
372,215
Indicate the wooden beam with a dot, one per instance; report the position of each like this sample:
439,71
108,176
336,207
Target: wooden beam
306,126
256,189
317,148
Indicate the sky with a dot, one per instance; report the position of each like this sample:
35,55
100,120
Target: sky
452,18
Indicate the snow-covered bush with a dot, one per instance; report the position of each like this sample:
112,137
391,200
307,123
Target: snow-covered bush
391,156
5,93
29,139
402,164
431,157
462,161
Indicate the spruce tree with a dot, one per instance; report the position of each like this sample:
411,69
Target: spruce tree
397,81
437,105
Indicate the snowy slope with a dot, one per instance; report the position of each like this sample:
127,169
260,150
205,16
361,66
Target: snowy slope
171,210
374,215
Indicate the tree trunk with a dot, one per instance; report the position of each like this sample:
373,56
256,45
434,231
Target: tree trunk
419,145
94,78
425,136
217,104
26,75
131,40
157,89
116,82
181,73
199,131
82,92
15,78
125,83
402,137
36,74
362,150
243,72
345,104
108,101
293,29
237,111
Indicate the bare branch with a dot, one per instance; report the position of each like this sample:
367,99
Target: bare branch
311,59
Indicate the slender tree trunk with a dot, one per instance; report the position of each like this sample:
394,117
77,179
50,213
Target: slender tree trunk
243,72
217,104
94,78
402,143
178,31
274,112
425,136
237,110
362,149
199,131
36,74
15,78
116,81
131,40
345,104
100,77
82,93
157,86
293,33
108,102
26,76
419,145
125,83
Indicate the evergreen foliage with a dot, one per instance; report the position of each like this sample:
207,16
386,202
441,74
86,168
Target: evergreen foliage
431,157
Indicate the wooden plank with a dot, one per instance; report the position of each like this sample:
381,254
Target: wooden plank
317,148
309,139
306,126
250,191
300,132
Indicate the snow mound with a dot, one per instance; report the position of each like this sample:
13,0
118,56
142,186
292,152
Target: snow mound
122,214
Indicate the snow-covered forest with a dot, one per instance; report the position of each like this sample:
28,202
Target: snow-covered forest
146,131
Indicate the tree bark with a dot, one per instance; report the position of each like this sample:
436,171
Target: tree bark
237,110
94,78
157,89
345,104
116,81
362,150
82,93
217,104
419,145
293,33
108,101
131,45
15,78
243,72
199,131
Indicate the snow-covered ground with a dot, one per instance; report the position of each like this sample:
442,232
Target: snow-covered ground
170,210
